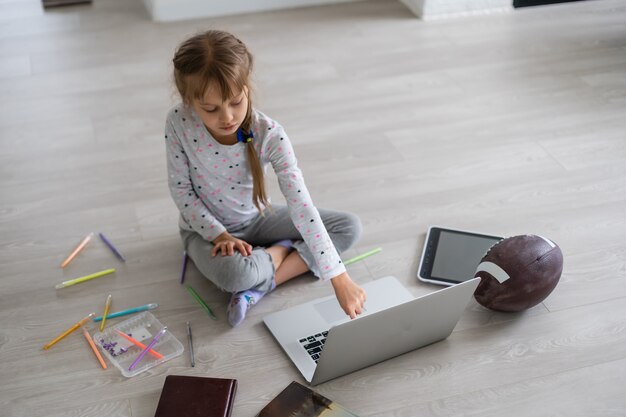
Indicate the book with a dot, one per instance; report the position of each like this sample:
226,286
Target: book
186,396
299,401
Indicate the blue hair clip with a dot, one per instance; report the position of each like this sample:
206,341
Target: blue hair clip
244,137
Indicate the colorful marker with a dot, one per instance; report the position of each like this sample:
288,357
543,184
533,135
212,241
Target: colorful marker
190,339
138,343
196,296
80,247
363,256
150,346
94,348
150,306
107,305
71,282
113,248
68,331
184,267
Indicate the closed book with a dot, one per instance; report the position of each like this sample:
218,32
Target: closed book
187,396
299,401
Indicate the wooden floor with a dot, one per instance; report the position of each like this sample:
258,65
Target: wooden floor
508,123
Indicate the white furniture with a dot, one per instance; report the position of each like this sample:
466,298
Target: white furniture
172,10
436,9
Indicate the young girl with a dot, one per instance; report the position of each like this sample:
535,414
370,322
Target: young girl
218,148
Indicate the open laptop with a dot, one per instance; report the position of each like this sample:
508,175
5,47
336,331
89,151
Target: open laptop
324,343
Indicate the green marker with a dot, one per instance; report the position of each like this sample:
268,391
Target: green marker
195,295
363,256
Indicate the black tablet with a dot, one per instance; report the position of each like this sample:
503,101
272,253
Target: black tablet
450,256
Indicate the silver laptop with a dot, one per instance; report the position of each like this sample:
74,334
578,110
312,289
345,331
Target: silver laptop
324,343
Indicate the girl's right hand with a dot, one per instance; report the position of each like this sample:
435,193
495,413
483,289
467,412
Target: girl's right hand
351,296
227,244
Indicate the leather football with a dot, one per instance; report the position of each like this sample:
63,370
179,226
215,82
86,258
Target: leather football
518,272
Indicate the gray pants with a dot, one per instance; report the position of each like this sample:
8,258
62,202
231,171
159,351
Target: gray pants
239,273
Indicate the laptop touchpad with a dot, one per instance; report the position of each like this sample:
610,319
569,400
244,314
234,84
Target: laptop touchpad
330,311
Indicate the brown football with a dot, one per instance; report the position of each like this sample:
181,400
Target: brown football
518,272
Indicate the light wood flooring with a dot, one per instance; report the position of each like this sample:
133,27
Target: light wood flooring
508,123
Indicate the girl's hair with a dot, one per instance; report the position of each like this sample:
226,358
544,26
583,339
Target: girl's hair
217,58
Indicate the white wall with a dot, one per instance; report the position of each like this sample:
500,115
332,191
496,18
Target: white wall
170,10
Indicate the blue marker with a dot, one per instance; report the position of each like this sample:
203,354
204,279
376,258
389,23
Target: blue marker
150,306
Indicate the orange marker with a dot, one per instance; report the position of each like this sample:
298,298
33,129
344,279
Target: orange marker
70,330
80,247
94,348
138,343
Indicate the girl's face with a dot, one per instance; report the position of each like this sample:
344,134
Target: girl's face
222,118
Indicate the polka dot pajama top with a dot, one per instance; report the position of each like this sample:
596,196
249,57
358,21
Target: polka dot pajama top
211,183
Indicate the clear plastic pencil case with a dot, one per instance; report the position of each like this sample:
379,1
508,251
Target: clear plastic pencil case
142,327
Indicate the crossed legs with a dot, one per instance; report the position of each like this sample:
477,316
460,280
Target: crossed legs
287,264
271,263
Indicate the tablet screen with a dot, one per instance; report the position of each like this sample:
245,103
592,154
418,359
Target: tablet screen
451,256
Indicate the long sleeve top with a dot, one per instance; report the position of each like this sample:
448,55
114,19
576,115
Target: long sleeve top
211,183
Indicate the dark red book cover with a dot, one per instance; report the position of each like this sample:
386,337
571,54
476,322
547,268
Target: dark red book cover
191,396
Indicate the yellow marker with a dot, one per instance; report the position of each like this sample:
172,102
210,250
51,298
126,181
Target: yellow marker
83,279
107,305
70,330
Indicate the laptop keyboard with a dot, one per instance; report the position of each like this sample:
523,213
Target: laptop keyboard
314,344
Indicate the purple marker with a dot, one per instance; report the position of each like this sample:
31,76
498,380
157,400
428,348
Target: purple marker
150,346
184,268
110,245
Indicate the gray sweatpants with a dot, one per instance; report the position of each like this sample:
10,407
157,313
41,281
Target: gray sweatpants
239,273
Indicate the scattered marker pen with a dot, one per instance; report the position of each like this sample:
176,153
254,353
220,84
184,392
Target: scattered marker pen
184,267
150,306
362,256
190,338
107,305
78,248
71,282
68,331
150,346
94,348
204,305
113,248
